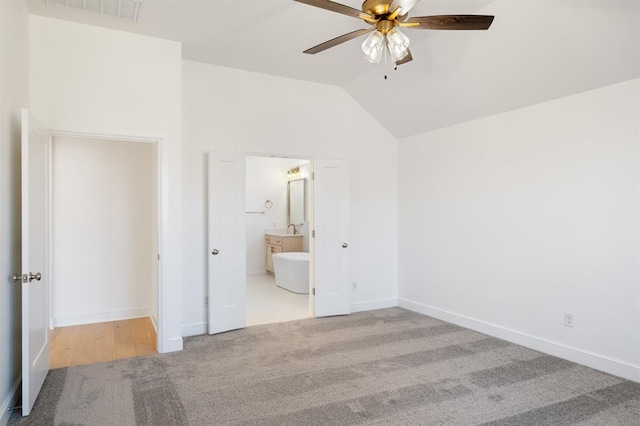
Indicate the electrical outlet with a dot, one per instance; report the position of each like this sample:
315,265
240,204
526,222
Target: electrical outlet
354,286
568,319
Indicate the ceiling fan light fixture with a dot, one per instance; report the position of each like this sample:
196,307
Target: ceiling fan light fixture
398,44
373,46
384,17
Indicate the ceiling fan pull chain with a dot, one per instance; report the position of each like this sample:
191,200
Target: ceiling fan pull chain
385,63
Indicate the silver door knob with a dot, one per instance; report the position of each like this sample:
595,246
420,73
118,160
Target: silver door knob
214,252
345,245
36,277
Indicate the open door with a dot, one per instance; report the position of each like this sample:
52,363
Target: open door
227,245
35,295
331,244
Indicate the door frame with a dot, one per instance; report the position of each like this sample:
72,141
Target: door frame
163,342
311,218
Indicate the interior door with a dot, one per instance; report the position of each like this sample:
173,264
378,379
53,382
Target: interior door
35,295
331,243
227,245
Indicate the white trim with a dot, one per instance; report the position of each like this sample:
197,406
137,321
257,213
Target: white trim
9,402
49,230
79,319
154,323
112,134
164,343
599,362
370,305
174,345
196,329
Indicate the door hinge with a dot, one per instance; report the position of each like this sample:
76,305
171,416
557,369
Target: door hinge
313,291
158,256
313,176
313,233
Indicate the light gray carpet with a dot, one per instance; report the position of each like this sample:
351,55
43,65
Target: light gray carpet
386,367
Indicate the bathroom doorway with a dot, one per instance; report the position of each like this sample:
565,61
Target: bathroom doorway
278,208
329,268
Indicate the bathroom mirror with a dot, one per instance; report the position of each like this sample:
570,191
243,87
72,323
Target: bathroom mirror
297,201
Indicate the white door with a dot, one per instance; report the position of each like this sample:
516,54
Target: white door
35,296
331,243
227,245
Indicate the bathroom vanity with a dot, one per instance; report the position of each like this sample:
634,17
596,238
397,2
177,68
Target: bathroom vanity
281,243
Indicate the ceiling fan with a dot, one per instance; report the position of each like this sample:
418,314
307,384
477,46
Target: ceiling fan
385,17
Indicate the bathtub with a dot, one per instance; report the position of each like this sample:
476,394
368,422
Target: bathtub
292,271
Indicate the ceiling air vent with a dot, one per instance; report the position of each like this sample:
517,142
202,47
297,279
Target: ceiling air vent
127,10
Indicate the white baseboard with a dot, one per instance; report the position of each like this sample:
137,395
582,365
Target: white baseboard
194,329
370,305
9,402
599,362
67,320
154,323
172,345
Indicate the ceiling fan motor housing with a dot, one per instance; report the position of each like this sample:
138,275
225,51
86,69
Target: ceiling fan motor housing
376,7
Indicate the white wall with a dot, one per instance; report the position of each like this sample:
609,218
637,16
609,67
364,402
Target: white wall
510,221
266,179
14,95
227,109
104,246
99,80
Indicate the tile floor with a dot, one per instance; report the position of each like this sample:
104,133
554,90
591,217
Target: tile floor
268,303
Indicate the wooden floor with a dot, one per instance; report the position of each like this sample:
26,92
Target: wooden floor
106,341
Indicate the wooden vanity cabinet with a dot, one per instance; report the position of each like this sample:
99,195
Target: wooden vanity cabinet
281,244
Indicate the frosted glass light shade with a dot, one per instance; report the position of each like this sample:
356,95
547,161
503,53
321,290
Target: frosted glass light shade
372,47
398,44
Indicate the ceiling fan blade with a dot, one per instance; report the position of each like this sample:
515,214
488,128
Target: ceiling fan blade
339,8
449,22
338,40
406,59
406,5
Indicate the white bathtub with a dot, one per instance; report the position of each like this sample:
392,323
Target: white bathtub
292,271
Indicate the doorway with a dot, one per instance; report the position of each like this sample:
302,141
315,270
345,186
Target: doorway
329,270
278,202
104,249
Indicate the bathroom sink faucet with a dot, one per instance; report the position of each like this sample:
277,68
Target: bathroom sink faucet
295,231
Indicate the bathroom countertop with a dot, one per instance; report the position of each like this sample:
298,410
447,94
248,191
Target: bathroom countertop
282,234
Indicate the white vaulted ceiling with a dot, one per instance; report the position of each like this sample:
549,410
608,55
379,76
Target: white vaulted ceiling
536,50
